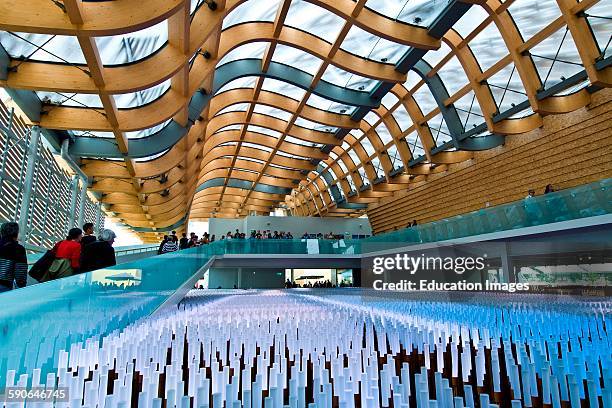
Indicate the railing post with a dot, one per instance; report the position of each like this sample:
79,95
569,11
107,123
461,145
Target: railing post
32,155
74,186
98,217
82,204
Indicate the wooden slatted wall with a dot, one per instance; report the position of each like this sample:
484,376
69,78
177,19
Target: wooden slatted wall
569,150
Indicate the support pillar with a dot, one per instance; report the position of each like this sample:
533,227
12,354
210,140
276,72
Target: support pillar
32,155
74,186
82,203
506,265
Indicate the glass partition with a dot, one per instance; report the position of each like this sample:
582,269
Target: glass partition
579,202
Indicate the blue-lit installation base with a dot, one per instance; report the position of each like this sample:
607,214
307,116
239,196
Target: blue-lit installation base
346,348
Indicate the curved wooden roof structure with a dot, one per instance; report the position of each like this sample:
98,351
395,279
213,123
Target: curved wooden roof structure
224,108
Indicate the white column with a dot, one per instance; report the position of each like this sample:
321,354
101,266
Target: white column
32,155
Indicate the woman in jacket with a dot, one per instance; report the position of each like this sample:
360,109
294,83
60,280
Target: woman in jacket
13,260
67,257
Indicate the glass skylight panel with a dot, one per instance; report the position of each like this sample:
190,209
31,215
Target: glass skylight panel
371,118
396,160
252,10
453,75
283,88
363,175
415,145
342,166
335,177
257,146
149,158
402,117
134,46
532,16
309,124
359,42
488,47
439,130
507,88
244,51
416,12
349,178
354,156
411,80
599,20
229,127
383,134
470,20
425,99
139,98
237,107
70,99
469,111
389,100
296,58
244,82
314,20
264,130
333,155
58,48
291,156
435,56
341,108
147,132
252,159
318,102
367,146
378,169
556,58
338,76
301,142
274,112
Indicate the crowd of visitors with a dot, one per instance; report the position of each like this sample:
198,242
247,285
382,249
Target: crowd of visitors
318,284
81,251
547,190
172,243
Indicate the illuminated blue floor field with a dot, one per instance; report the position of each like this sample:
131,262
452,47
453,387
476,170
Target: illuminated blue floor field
345,348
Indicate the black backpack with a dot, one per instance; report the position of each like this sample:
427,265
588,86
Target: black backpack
38,270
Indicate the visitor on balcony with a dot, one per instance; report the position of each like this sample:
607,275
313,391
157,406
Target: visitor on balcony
100,253
161,245
184,242
530,194
88,231
549,189
13,260
171,245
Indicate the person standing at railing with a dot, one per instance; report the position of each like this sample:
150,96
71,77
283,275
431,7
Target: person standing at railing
100,253
171,245
88,237
161,245
13,259
184,242
67,257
